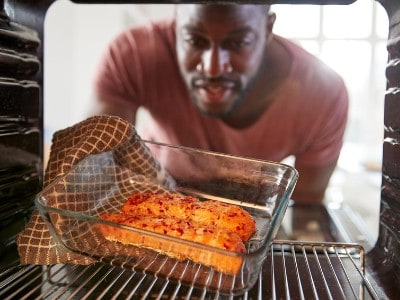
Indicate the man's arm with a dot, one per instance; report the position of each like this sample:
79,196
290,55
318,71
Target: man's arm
327,143
312,183
102,107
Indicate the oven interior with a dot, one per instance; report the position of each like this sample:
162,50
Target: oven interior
336,265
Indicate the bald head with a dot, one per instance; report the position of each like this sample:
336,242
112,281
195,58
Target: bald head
216,9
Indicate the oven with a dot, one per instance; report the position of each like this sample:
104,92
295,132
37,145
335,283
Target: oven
338,266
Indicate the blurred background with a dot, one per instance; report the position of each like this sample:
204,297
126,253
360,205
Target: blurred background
355,49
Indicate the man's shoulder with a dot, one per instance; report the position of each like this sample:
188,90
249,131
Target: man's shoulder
146,40
158,28
309,67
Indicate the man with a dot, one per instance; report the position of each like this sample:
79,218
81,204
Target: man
217,77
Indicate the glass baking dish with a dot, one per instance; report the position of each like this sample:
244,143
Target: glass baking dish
101,183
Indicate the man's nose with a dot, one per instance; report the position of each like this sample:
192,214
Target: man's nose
215,62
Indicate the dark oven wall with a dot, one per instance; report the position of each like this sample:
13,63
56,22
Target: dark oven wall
20,123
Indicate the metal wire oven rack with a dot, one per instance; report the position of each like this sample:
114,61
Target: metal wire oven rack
292,270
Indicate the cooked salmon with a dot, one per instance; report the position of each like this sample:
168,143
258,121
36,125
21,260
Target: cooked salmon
219,214
210,235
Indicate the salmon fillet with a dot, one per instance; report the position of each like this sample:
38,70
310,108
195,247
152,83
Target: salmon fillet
174,227
219,214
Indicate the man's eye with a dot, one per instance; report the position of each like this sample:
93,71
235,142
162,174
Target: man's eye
239,44
195,42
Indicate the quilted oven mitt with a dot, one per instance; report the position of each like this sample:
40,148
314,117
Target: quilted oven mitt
69,146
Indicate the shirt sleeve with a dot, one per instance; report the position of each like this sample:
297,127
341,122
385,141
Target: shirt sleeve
118,74
328,129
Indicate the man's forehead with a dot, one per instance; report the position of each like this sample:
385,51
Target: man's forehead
213,12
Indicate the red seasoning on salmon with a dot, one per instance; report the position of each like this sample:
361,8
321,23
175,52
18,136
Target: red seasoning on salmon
212,223
222,215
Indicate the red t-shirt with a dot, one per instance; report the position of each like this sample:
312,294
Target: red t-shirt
306,120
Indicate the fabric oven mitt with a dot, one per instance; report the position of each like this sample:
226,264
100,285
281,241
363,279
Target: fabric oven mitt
72,145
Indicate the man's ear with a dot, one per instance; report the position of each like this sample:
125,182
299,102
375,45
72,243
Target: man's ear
270,21
269,26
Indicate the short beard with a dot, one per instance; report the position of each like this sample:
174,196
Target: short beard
240,99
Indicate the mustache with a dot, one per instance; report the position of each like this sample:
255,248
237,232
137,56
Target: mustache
221,80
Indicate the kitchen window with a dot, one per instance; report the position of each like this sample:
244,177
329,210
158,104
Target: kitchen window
352,40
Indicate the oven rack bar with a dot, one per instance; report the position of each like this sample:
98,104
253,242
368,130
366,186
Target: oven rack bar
292,270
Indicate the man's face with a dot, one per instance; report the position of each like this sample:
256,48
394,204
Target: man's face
220,50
